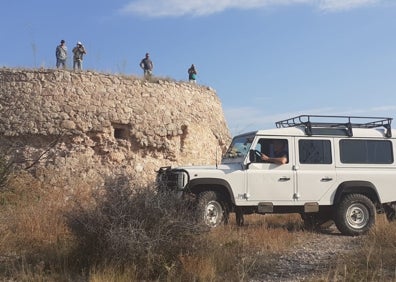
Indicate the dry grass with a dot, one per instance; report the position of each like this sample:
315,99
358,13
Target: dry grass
33,234
39,243
375,260
30,216
232,253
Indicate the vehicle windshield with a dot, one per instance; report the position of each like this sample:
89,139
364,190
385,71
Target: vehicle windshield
239,147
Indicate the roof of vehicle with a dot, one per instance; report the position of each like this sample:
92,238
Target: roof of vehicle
321,125
300,131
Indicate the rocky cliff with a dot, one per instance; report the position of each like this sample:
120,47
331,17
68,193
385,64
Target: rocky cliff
67,125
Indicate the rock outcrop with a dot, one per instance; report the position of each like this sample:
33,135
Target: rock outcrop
67,125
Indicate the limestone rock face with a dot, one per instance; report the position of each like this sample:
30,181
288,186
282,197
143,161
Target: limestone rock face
89,125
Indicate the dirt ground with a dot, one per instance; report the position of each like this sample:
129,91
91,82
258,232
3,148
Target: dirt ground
312,257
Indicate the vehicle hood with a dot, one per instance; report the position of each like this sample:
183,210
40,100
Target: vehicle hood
212,170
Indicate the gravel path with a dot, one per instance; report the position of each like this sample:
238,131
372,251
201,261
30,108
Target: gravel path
311,258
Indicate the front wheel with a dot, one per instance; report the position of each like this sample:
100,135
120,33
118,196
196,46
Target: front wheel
211,209
355,215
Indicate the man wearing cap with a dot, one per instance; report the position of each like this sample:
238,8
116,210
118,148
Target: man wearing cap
147,65
78,53
61,54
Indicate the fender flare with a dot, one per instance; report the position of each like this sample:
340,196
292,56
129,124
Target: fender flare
195,186
359,187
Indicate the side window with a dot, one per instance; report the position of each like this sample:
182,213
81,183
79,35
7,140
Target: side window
366,151
314,151
273,147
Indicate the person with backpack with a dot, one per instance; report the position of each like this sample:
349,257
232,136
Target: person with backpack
192,74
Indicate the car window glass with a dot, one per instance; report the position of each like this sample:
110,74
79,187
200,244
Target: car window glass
314,151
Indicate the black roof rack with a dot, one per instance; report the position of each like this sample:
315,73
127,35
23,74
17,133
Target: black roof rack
337,122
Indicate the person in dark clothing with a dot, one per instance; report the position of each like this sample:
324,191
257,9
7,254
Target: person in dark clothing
192,74
280,153
147,65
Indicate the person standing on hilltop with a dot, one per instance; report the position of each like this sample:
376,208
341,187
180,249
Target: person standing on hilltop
192,74
78,53
61,54
147,65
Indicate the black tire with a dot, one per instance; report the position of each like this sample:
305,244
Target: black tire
355,215
211,209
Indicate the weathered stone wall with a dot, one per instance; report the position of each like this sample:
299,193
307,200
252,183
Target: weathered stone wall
85,125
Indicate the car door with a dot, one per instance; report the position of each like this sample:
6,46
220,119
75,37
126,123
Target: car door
315,168
269,182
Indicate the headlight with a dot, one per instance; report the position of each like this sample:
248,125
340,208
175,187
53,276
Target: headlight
182,179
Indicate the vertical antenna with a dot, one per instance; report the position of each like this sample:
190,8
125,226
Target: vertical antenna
216,158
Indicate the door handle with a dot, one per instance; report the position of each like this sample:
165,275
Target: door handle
284,178
326,179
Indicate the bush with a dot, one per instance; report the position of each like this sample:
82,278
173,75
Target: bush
123,234
134,227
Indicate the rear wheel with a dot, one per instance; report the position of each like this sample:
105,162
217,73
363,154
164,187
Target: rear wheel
211,209
355,215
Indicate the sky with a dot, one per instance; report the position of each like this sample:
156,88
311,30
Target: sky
267,60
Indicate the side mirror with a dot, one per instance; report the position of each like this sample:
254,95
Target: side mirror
252,156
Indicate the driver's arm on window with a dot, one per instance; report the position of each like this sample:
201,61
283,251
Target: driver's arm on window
279,160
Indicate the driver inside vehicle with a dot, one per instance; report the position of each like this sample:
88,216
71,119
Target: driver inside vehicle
280,155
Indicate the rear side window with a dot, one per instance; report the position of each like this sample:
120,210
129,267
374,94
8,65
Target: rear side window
314,151
366,151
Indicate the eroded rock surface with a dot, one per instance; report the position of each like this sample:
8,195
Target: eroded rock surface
90,125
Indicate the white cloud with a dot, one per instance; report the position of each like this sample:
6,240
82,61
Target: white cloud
335,5
174,8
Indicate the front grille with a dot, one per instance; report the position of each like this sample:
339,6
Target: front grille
171,179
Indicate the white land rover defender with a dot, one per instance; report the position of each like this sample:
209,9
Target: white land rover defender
338,168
